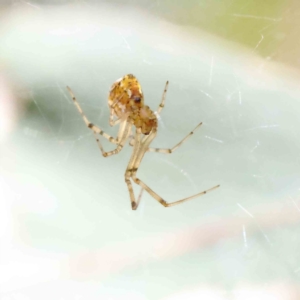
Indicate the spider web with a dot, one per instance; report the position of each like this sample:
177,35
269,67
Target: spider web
231,65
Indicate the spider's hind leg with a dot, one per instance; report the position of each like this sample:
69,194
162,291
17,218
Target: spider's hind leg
161,200
134,203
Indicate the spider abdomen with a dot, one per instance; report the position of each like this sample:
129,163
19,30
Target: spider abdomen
125,95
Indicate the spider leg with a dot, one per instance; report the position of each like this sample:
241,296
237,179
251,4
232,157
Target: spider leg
139,197
131,193
161,200
111,117
131,141
137,155
124,131
113,122
162,103
134,203
90,125
140,147
171,150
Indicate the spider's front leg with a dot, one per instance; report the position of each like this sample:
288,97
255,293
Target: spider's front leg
123,132
89,124
162,103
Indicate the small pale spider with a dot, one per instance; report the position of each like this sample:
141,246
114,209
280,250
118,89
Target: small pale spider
126,105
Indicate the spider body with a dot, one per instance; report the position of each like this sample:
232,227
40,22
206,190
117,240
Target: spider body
126,104
126,101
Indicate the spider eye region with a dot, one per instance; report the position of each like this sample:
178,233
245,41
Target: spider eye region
137,99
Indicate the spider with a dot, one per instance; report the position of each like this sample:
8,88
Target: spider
127,108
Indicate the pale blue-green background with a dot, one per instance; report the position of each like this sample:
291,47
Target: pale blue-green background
66,220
